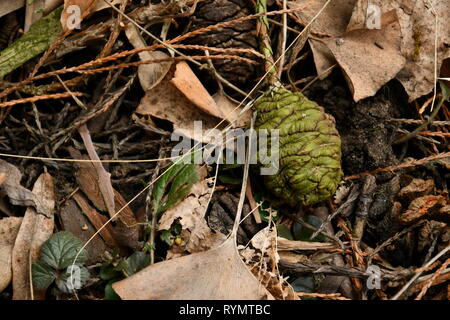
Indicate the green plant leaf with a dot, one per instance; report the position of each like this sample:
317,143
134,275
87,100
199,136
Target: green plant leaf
61,249
109,272
43,275
110,294
68,281
176,182
228,179
283,231
134,263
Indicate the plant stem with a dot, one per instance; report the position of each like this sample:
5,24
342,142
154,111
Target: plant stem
265,47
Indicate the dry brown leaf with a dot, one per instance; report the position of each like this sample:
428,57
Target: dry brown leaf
368,66
420,207
166,102
34,231
416,188
323,58
231,112
369,58
103,177
149,74
17,194
9,228
217,274
85,7
417,20
333,20
187,83
190,214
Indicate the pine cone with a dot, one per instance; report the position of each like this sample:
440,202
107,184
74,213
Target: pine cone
310,147
241,35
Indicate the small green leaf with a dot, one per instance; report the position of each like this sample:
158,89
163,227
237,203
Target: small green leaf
61,249
445,91
134,263
73,278
176,182
110,294
283,231
109,272
166,236
229,179
43,275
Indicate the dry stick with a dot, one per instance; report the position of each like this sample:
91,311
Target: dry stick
392,239
41,98
283,41
432,279
414,278
423,125
410,164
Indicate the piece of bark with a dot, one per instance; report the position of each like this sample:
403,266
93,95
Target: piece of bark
75,222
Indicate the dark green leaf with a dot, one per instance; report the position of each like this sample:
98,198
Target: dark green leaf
229,179
176,182
110,294
61,249
445,91
283,231
43,275
109,272
134,263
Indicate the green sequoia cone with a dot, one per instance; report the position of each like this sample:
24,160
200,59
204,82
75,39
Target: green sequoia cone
310,147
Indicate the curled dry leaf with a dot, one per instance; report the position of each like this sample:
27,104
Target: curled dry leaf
418,20
369,58
19,195
333,20
415,189
9,228
166,102
231,111
190,214
149,74
34,231
187,82
420,207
